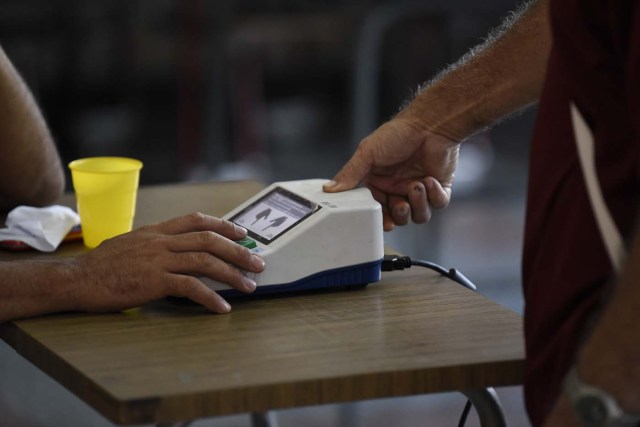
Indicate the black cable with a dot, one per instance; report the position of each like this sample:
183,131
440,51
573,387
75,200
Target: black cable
465,414
395,262
430,265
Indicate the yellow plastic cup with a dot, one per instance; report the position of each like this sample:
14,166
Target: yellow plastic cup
106,189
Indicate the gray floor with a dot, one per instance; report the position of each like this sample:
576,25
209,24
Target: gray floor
480,234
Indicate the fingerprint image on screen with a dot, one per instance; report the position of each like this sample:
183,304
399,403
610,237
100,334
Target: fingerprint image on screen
273,214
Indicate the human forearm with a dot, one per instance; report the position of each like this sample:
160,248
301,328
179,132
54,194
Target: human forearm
502,75
147,264
30,288
409,163
30,168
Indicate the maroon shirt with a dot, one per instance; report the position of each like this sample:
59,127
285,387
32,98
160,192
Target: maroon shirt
594,63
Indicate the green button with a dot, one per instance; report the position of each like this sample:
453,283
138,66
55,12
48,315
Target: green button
247,243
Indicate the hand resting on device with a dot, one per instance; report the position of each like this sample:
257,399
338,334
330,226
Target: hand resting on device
152,262
146,264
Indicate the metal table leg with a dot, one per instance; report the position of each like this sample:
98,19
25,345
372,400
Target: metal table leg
487,406
485,401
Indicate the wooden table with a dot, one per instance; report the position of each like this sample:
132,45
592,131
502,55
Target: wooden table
413,332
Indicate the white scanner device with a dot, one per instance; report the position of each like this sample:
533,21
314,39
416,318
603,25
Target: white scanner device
310,239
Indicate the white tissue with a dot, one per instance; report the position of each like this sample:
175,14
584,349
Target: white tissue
40,228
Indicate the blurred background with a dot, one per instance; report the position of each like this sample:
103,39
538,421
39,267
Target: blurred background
273,90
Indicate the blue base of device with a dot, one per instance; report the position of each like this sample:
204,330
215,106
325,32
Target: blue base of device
344,277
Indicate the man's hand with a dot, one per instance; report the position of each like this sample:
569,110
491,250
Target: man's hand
408,170
409,162
162,260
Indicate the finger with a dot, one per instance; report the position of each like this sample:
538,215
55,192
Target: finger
200,222
228,229
387,220
207,265
420,212
399,209
351,173
379,196
391,185
437,195
192,288
210,243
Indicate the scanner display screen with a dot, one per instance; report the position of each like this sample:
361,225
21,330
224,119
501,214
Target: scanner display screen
273,214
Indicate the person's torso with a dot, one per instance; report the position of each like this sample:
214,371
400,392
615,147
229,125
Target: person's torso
565,264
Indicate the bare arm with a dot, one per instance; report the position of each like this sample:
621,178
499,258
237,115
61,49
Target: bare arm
409,162
132,269
496,78
30,168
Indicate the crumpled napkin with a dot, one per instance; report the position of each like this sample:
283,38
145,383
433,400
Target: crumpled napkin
40,228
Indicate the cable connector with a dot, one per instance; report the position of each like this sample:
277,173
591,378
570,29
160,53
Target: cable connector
395,262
